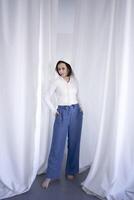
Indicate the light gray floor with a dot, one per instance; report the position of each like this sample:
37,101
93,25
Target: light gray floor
60,190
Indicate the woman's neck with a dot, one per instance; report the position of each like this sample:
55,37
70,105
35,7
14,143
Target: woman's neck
67,78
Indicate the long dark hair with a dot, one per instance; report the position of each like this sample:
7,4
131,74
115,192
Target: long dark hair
70,71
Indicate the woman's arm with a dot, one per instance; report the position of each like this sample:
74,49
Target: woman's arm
78,94
48,95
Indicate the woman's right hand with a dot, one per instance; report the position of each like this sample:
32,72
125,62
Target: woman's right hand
57,113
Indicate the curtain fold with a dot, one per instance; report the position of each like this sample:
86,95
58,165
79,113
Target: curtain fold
19,58
111,175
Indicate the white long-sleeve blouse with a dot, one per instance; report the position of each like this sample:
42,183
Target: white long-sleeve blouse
67,93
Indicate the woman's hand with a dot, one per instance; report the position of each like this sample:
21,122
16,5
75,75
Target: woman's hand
57,113
81,110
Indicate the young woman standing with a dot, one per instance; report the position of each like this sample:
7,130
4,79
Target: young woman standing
68,123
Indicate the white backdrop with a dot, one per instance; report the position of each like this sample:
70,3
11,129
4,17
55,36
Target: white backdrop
19,58
96,37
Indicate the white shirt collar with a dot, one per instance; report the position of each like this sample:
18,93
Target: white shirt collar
65,80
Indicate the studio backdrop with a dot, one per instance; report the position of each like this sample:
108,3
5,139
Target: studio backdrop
96,38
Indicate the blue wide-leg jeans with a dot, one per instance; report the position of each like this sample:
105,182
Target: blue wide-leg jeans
67,124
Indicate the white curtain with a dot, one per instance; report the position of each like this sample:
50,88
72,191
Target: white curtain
19,60
111,47
96,37
23,52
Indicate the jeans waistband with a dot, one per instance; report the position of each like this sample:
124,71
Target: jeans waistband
68,106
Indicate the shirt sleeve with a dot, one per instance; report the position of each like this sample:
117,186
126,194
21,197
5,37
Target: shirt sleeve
78,94
50,92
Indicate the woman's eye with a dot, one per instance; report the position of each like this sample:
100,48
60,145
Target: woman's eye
63,68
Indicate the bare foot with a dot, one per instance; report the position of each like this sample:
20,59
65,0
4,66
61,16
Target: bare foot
70,177
45,183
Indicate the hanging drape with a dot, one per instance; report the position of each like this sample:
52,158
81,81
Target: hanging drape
111,45
96,37
19,58
24,49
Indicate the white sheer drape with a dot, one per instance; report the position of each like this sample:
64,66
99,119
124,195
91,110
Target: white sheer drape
111,46
96,37
19,58
24,49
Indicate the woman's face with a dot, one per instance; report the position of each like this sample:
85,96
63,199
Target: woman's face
63,70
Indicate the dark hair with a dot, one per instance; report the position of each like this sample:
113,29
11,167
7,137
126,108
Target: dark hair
70,71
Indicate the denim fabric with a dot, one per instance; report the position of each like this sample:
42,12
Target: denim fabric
67,123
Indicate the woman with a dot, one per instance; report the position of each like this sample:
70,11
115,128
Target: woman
68,122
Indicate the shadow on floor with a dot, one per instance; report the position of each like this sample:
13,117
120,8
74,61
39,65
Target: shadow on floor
59,190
